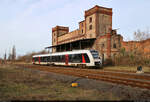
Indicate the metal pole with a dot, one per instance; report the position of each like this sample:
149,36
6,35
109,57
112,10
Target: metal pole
80,44
60,48
70,46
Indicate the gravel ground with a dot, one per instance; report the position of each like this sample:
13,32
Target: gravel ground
122,91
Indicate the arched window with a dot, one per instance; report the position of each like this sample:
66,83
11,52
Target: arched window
90,27
90,20
103,45
114,46
82,31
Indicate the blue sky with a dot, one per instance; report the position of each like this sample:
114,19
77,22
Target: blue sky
27,23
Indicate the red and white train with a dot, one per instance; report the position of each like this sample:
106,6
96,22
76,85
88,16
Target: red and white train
79,58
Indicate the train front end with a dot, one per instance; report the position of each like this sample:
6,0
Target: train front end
96,58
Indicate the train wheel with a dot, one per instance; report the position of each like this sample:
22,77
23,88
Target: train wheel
83,66
79,66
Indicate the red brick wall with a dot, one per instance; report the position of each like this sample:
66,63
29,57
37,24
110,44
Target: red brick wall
142,46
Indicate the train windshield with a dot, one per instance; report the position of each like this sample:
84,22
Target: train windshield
95,54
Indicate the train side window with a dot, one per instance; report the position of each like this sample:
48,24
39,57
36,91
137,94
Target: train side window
41,59
53,58
70,58
60,58
57,58
63,58
80,57
73,57
77,58
45,59
50,59
87,60
36,59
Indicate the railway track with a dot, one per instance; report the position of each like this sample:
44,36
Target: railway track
131,79
115,70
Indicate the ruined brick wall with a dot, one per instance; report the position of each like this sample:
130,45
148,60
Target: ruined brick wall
140,46
100,45
108,45
115,45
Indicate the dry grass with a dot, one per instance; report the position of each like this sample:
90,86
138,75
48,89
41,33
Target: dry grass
127,68
27,84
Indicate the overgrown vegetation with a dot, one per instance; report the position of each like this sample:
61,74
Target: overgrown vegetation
28,57
135,54
131,58
27,84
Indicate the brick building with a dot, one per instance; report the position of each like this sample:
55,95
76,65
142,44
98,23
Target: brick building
141,47
94,32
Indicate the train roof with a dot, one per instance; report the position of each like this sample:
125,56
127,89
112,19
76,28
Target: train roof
63,53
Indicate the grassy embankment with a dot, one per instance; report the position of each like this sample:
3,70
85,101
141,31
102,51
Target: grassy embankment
128,68
25,84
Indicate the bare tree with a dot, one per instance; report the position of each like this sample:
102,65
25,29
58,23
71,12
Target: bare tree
13,53
9,57
5,57
141,35
28,57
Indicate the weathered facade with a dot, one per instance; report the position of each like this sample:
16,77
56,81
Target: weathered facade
139,47
95,32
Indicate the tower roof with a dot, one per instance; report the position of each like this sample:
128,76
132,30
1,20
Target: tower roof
98,9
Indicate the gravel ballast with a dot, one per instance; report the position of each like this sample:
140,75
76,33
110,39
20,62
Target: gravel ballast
122,91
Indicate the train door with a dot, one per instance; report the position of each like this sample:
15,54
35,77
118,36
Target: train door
83,59
39,60
66,59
